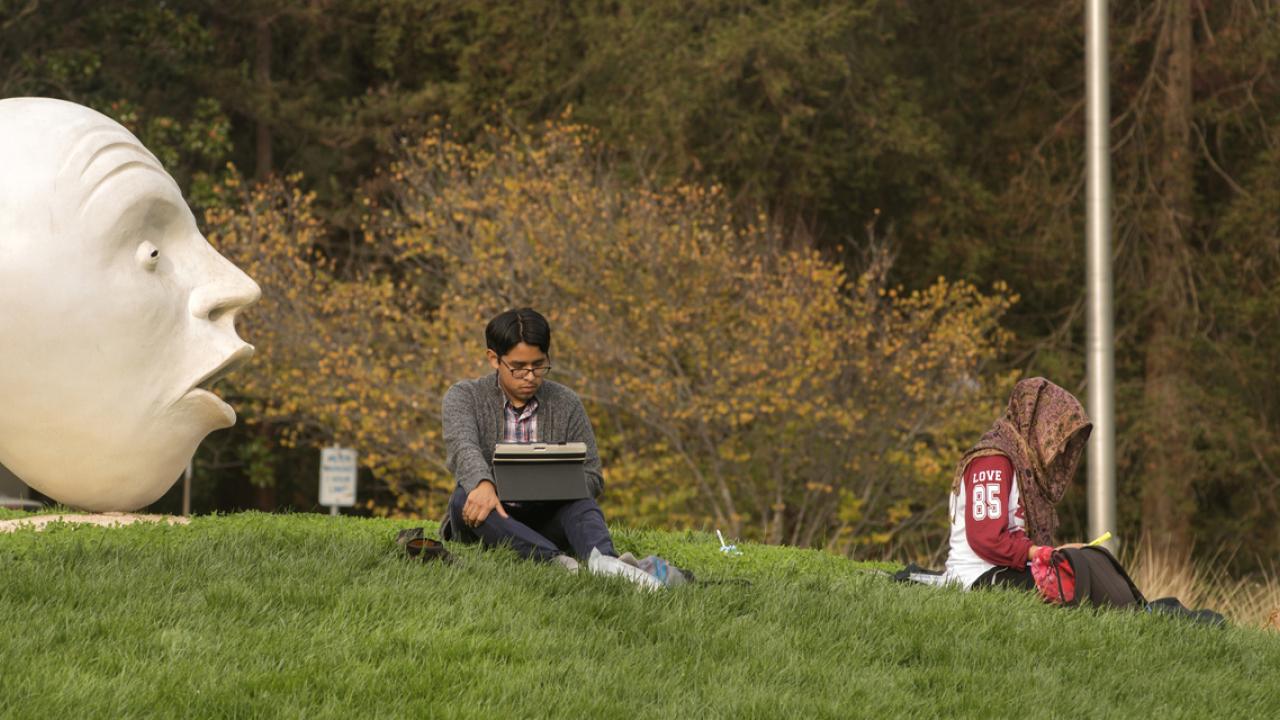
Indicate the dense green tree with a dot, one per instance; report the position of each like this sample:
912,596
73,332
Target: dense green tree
134,62
1194,127
951,133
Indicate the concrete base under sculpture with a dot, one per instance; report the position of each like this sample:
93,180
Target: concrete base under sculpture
38,522
116,315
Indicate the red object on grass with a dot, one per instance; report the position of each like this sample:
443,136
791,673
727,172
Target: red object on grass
1054,577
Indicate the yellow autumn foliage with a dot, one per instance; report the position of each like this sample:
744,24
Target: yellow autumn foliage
340,356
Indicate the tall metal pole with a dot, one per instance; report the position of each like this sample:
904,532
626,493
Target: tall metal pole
1100,362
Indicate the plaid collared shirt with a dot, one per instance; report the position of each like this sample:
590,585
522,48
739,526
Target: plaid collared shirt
521,425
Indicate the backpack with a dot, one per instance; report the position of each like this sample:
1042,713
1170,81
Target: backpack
1074,576
1089,574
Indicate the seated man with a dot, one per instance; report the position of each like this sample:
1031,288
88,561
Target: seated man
517,404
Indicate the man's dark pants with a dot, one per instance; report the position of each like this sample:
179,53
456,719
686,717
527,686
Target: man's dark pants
537,530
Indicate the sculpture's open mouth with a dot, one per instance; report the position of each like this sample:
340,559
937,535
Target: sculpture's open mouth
225,368
202,390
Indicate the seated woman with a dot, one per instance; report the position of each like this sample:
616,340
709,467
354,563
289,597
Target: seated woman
1005,487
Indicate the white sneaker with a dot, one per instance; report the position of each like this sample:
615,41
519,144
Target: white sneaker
600,564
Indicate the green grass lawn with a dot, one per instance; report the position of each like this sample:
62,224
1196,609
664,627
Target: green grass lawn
260,615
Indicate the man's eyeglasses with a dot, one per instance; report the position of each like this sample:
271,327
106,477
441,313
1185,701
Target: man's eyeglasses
522,373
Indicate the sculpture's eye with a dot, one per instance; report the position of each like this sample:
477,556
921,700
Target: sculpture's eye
148,255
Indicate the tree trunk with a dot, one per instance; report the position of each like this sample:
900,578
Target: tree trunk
1167,501
262,79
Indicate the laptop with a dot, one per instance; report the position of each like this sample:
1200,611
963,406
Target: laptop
530,472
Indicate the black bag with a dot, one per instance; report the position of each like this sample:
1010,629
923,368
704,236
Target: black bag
1171,606
1100,579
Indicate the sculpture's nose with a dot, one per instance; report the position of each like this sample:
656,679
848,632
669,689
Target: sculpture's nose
226,291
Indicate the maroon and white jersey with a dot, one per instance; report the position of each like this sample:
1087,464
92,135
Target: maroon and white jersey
987,524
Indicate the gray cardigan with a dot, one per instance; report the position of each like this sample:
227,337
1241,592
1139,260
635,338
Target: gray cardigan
473,424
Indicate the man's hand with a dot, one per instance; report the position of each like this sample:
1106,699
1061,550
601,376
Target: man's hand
480,502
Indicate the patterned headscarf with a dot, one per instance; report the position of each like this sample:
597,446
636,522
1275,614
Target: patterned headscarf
1043,432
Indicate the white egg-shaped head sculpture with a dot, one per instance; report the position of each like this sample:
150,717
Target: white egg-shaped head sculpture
116,315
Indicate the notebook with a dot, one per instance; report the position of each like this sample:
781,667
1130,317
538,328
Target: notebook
529,472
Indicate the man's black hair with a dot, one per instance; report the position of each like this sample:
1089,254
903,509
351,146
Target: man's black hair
513,327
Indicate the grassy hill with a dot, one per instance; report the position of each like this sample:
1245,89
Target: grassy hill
298,616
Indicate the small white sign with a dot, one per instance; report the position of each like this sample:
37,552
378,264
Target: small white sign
338,477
